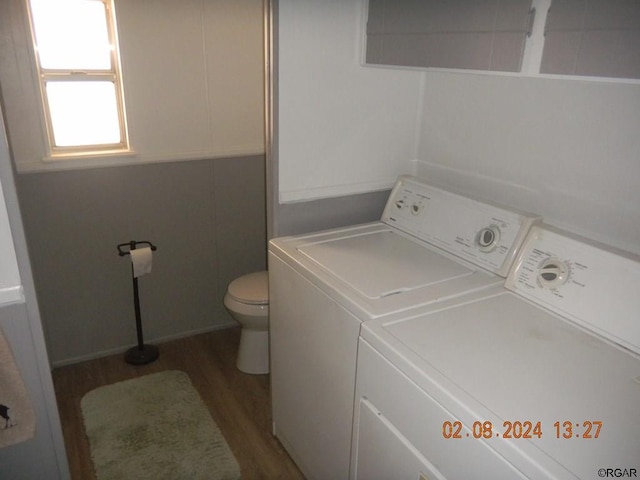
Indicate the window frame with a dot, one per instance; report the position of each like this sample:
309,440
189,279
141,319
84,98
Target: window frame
112,75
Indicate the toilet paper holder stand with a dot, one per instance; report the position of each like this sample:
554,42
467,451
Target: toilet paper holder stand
140,354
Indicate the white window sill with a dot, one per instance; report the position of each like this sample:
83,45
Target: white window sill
80,161
91,156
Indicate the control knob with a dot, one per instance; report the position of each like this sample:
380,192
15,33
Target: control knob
488,238
416,208
553,272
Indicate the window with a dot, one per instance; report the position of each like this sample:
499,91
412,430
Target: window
78,68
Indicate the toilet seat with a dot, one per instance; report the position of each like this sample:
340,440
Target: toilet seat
246,309
251,289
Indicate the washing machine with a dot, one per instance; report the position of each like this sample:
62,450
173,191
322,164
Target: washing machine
538,379
430,245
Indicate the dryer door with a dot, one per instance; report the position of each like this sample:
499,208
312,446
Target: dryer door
384,453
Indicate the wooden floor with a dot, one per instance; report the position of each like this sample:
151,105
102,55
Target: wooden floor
239,403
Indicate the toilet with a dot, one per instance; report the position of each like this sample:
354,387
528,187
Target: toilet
247,300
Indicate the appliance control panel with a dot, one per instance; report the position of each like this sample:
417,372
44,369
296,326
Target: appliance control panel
487,235
593,285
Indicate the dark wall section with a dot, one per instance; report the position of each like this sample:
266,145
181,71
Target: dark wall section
206,217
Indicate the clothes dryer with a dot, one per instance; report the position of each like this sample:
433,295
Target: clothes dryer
430,245
537,380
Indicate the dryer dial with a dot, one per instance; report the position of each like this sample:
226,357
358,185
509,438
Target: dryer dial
487,239
553,272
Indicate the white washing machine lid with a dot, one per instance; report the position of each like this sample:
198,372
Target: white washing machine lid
382,263
374,270
502,359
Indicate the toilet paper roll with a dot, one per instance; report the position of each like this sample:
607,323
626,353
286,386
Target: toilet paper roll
142,260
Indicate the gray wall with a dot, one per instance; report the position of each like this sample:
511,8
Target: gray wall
304,217
206,217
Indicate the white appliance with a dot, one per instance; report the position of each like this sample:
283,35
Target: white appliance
430,245
552,362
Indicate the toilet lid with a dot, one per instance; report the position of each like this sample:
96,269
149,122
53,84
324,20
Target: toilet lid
252,288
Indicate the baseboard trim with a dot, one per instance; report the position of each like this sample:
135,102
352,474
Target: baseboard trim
118,350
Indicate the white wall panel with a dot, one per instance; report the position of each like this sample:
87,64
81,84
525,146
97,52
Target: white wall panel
565,149
343,128
164,76
235,74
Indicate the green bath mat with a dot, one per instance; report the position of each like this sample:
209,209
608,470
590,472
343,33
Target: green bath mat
155,427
